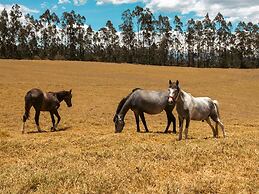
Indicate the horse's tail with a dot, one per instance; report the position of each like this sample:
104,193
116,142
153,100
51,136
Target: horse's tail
27,107
122,102
216,103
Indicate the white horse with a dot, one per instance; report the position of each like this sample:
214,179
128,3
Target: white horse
194,108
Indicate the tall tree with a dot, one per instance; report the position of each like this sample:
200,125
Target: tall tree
208,40
128,35
223,32
4,34
177,36
14,29
164,30
190,41
148,32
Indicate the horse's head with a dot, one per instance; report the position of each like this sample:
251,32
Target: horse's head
119,123
173,91
68,97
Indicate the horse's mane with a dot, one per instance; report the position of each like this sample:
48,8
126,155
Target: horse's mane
60,94
122,102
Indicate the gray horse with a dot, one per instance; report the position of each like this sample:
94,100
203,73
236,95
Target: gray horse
143,101
45,101
194,108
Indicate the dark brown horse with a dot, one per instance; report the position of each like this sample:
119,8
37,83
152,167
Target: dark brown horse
45,101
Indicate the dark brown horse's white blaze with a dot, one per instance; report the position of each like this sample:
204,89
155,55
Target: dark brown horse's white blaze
45,101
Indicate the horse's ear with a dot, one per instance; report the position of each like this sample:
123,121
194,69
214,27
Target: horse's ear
177,82
170,82
70,91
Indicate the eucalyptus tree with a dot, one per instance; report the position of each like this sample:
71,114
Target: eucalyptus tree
89,43
148,33
128,35
138,14
208,40
198,33
50,39
4,34
240,42
177,36
109,41
189,36
72,29
223,32
164,32
32,27
14,29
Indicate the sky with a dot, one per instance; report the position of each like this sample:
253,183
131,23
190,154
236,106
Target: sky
98,12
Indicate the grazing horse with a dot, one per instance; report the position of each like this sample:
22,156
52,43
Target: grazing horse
45,101
143,101
194,108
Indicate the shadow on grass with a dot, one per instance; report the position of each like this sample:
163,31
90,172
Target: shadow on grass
44,131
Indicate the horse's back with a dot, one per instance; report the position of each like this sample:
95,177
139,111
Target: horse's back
35,93
203,108
152,102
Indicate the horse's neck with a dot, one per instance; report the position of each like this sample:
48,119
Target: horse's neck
60,96
182,96
125,108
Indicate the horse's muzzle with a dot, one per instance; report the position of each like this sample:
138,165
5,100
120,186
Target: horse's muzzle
171,99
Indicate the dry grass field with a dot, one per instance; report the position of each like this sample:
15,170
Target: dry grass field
86,156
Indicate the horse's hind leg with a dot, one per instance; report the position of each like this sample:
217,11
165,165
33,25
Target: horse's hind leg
143,121
53,121
213,130
26,114
137,121
57,115
217,129
222,127
37,116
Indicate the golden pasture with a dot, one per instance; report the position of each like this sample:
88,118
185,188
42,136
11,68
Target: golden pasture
86,156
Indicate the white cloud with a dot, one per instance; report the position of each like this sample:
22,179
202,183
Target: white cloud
24,9
100,2
79,2
63,1
232,10
54,7
43,5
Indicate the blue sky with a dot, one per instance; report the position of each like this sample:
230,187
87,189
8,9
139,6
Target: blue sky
97,12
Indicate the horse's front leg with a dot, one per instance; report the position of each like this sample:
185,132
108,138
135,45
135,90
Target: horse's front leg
137,121
168,120
53,121
37,117
187,127
59,118
174,122
180,127
144,121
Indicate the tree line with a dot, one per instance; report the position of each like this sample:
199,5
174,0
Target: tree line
142,38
